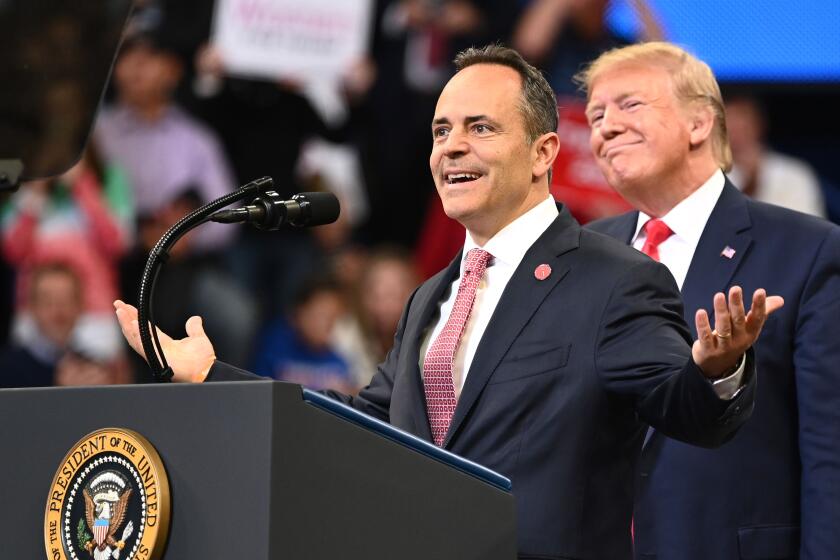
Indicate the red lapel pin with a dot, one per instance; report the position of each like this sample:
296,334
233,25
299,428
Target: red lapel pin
542,272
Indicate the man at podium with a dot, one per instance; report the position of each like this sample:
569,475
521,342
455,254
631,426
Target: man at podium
543,351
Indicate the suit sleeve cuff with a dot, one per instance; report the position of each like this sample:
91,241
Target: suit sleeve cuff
727,388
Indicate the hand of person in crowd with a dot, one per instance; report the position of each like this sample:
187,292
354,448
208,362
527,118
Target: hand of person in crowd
718,351
209,71
34,196
417,13
190,358
76,370
72,175
460,17
359,77
38,187
540,25
208,61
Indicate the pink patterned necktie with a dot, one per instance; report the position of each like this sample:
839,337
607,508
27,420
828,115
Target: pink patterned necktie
656,231
437,367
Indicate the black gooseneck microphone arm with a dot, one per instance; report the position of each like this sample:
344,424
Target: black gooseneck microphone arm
158,257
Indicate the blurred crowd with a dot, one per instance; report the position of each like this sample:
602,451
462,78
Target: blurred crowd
317,307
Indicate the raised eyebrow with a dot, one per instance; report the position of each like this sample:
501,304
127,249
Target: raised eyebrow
440,120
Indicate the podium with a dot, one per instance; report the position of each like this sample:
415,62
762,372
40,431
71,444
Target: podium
258,471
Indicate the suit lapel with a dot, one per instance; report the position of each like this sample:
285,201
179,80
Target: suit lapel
427,302
520,300
725,241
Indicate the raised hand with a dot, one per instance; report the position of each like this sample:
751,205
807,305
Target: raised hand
717,351
190,358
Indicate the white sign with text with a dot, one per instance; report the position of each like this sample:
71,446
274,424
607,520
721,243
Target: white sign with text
302,40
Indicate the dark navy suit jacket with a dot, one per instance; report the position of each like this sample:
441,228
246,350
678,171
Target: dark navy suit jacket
565,380
775,487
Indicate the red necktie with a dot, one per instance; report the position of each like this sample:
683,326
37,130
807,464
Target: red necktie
437,367
656,231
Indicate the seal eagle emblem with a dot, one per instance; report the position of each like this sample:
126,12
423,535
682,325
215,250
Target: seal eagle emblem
106,501
109,500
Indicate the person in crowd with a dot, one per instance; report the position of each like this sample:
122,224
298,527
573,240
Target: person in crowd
35,356
658,132
299,349
763,173
55,304
160,146
563,35
83,219
364,335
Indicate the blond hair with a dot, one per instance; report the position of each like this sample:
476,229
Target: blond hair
692,79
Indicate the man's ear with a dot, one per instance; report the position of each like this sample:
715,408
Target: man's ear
544,151
702,122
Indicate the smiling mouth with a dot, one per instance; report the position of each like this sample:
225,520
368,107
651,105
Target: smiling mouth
612,149
454,178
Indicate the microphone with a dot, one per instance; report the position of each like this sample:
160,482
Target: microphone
268,211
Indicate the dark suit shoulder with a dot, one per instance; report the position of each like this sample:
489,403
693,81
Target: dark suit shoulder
770,218
603,225
621,227
611,252
807,243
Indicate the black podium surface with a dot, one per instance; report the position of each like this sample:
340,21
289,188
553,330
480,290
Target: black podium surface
256,472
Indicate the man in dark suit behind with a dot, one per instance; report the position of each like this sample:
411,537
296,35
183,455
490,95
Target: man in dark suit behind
544,350
773,491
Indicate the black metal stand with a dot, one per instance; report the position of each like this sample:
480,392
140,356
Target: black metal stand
158,257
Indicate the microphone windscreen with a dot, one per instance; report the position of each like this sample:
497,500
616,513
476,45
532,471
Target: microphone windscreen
323,208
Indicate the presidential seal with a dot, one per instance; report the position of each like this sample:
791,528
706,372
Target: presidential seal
109,500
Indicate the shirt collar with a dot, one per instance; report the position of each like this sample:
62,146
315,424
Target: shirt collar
511,243
688,218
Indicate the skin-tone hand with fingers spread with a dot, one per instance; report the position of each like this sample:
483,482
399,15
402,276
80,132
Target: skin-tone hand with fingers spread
717,352
190,358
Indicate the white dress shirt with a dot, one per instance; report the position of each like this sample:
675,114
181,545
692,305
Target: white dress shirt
688,220
508,248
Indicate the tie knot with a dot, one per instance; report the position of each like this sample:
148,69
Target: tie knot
477,260
656,231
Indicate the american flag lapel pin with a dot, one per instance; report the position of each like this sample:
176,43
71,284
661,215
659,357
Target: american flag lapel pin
727,252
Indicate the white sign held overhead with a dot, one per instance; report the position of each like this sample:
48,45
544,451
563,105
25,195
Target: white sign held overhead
301,40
